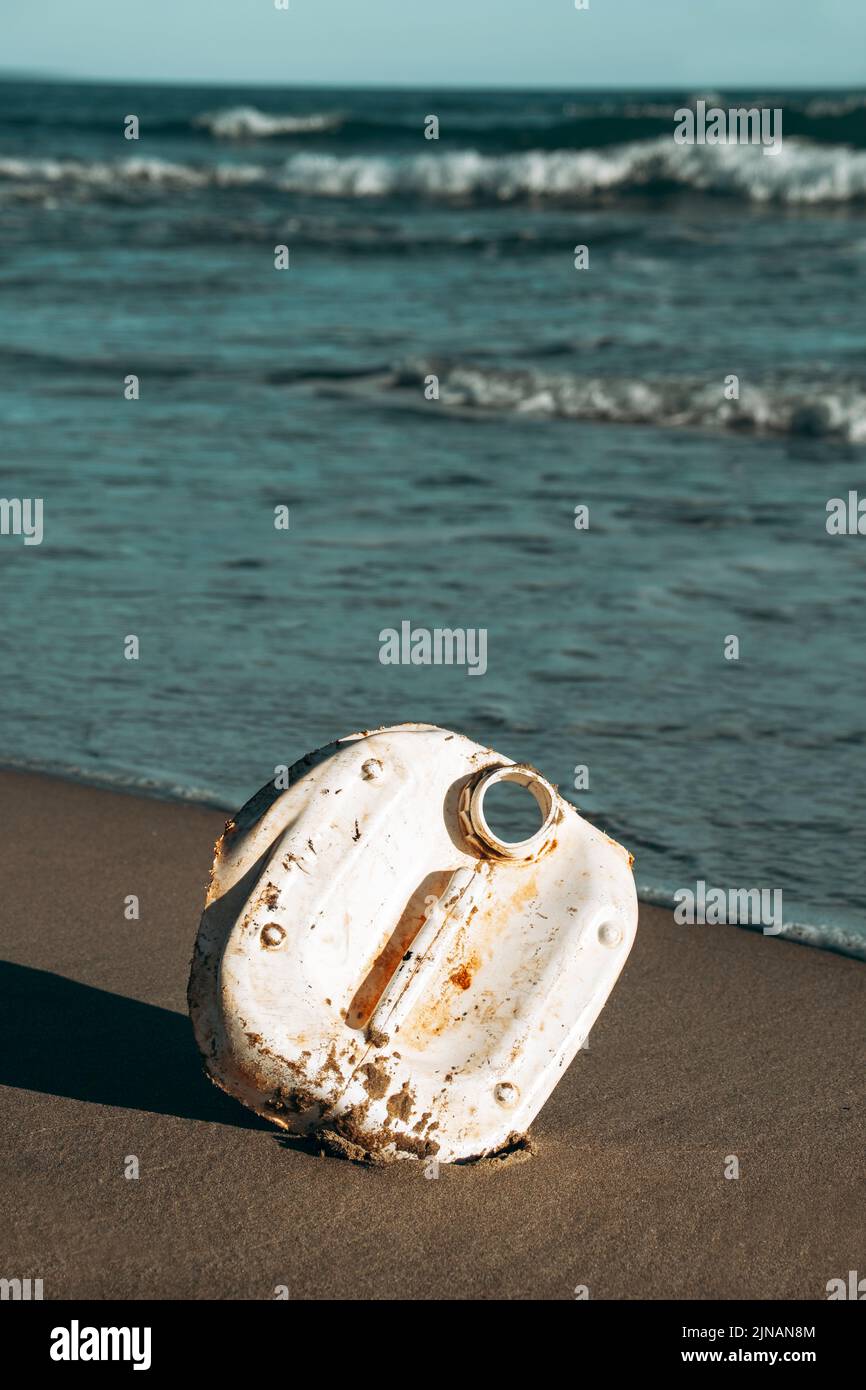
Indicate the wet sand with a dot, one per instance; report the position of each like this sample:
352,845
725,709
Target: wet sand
716,1042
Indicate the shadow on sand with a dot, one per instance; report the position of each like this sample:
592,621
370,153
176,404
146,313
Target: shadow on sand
69,1039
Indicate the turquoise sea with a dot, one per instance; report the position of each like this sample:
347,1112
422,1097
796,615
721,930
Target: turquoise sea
558,388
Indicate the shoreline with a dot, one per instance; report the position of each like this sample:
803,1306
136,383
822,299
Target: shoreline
838,938
714,1044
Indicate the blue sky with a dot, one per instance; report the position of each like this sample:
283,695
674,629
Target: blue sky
523,43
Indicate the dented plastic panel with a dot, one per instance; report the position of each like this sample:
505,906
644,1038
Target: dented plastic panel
377,966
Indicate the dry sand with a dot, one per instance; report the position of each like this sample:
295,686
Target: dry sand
716,1041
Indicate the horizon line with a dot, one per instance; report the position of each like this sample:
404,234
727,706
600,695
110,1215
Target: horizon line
710,86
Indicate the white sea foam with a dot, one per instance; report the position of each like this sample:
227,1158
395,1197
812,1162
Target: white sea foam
109,175
826,936
836,410
800,174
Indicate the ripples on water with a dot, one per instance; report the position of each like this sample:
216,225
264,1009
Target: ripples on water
558,388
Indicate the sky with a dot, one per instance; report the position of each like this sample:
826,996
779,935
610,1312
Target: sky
617,44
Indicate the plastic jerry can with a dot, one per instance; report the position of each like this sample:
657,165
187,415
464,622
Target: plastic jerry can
375,966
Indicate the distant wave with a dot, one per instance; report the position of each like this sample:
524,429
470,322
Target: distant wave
499,123
830,106
836,411
247,122
800,174
609,119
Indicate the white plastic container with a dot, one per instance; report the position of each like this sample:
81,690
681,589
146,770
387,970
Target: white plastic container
374,965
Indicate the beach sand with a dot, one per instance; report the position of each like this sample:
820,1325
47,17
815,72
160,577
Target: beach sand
716,1042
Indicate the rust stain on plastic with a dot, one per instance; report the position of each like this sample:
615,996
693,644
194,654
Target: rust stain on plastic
399,942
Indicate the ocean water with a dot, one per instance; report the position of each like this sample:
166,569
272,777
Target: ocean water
558,388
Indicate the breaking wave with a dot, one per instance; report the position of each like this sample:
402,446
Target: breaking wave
109,176
834,411
799,174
